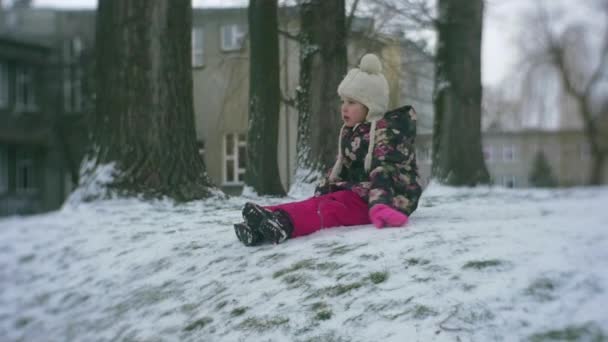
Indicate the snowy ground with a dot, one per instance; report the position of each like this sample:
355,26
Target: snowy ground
473,265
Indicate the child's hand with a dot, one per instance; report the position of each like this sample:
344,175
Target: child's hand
382,215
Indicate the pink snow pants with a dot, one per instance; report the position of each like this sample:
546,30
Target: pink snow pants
340,208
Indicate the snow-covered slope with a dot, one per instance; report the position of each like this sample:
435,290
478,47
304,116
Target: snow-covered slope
472,265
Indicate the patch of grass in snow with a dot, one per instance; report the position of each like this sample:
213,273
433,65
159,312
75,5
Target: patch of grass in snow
318,306
198,324
423,311
327,337
22,322
322,311
416,262
238,311
542,289
477,314
327,266
336,290
26,258
271,258
188,308
323,315
392,309
263,324
143,297
303,264
369,257
468,287
419,279
482,264
296,280
218,260
378,277
343,249
587,332
307,264
221,304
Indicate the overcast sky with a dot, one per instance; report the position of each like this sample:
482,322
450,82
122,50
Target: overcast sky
499,49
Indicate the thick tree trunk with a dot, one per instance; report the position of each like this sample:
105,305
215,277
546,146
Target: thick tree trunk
593,136
323,64
264,99
457,152
144,118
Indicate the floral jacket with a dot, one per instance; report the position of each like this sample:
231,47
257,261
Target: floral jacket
393,178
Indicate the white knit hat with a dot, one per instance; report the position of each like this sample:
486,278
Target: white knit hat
368,86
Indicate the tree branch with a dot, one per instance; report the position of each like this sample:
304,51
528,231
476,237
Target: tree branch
601,67
289,35
351,15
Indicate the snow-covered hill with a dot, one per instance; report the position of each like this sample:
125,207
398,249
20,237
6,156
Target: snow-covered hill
472,265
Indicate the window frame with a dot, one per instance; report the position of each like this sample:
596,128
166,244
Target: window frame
234,157
509,148
198,51
237,37
72,75
26,160
506,179
488,153
24,78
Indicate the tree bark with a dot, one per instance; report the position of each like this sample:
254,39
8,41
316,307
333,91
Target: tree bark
264,99
144,120
323,64
457,152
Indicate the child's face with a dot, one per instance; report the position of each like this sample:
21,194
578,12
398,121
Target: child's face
353,112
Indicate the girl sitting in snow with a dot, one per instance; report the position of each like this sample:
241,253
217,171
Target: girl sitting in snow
373,182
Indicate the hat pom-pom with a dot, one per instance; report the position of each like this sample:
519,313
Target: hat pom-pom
370,64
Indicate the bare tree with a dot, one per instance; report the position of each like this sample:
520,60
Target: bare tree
264,97
561,52
416,20
322,65
457,153
144,121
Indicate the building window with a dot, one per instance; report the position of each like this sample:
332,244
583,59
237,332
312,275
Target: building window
488,153
232,38
508,181
3,85
3,170
25,174
235,158
508,153
198,43
25,97
72,75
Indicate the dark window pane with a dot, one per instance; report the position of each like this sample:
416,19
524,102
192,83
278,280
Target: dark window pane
229,145
242,157
230,170
241,177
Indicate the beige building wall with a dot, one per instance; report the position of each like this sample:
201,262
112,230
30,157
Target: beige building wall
221,94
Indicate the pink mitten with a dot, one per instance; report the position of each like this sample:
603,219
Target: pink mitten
382,215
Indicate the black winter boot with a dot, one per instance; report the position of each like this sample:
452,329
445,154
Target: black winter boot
277,228
254,214
247,235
